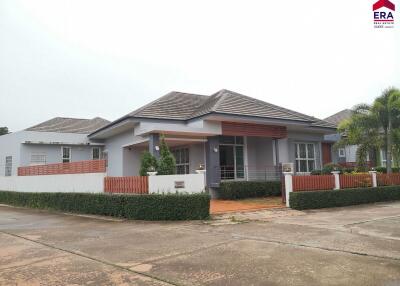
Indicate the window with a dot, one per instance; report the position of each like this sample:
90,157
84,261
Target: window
8,166
66,154
231,157
383,158
305,157
96,153
38,159
342,152
182,160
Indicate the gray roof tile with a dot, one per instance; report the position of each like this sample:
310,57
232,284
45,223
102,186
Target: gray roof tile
337,118
70,125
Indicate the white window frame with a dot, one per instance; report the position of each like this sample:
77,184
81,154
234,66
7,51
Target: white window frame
35,162
62,154
8,166
383,161
297,144
98,148
185,164
342,152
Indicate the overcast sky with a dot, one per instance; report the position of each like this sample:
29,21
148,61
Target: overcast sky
106,58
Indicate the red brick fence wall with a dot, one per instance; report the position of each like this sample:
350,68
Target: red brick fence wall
327,182
131,185
81,167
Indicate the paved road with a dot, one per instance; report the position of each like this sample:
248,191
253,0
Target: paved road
344,246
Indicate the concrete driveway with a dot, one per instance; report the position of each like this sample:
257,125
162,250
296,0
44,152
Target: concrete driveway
343,246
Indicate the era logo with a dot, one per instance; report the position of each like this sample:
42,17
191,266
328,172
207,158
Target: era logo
383,14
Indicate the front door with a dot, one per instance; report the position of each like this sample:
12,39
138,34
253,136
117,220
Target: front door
326,153
231,161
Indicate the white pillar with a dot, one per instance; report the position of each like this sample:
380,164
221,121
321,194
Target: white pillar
373,175
288,185
337,181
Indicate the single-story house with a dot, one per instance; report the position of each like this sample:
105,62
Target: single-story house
234,136
58,140
347,155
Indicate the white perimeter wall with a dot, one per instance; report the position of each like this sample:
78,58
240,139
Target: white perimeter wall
78,183
194,183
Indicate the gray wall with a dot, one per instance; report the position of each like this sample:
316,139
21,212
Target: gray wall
53,153
196,156
13,145
114,148
131,160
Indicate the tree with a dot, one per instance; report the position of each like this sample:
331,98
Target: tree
386,109
166,164
3,130
374,126
147,163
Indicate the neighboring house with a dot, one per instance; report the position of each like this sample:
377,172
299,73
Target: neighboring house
235,136
345,156
58,140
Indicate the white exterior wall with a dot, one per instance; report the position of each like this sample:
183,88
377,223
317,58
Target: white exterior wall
199,127
10,146
194,183
75,183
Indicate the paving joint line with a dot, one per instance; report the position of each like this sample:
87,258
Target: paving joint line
91,258
313,247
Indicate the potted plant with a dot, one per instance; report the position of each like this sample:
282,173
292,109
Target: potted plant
201,169
151,171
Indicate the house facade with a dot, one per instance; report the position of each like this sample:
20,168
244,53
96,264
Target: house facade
58,140
234,136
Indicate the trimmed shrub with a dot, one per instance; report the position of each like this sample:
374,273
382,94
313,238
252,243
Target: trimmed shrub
248,189
142,207
383,169
147,162
328,168
341,198
167,163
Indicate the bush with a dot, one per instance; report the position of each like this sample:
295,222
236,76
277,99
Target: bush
147,162
328,168
383,169
316,172
166,164
340,198
240,190
143,207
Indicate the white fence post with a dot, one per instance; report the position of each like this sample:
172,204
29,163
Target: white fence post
373,175
337,180
288,185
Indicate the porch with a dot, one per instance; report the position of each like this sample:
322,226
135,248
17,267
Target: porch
225,158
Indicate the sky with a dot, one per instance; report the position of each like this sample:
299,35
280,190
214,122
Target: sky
106,58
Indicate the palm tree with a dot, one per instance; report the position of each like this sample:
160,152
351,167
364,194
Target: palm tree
386,108
374,126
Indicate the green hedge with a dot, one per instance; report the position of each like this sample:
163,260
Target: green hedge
240,190
340,198
142,207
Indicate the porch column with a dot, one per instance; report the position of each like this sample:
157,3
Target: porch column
276,147
213,171
154,144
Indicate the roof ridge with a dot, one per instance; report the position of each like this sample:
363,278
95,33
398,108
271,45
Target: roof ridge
276,107
219,100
